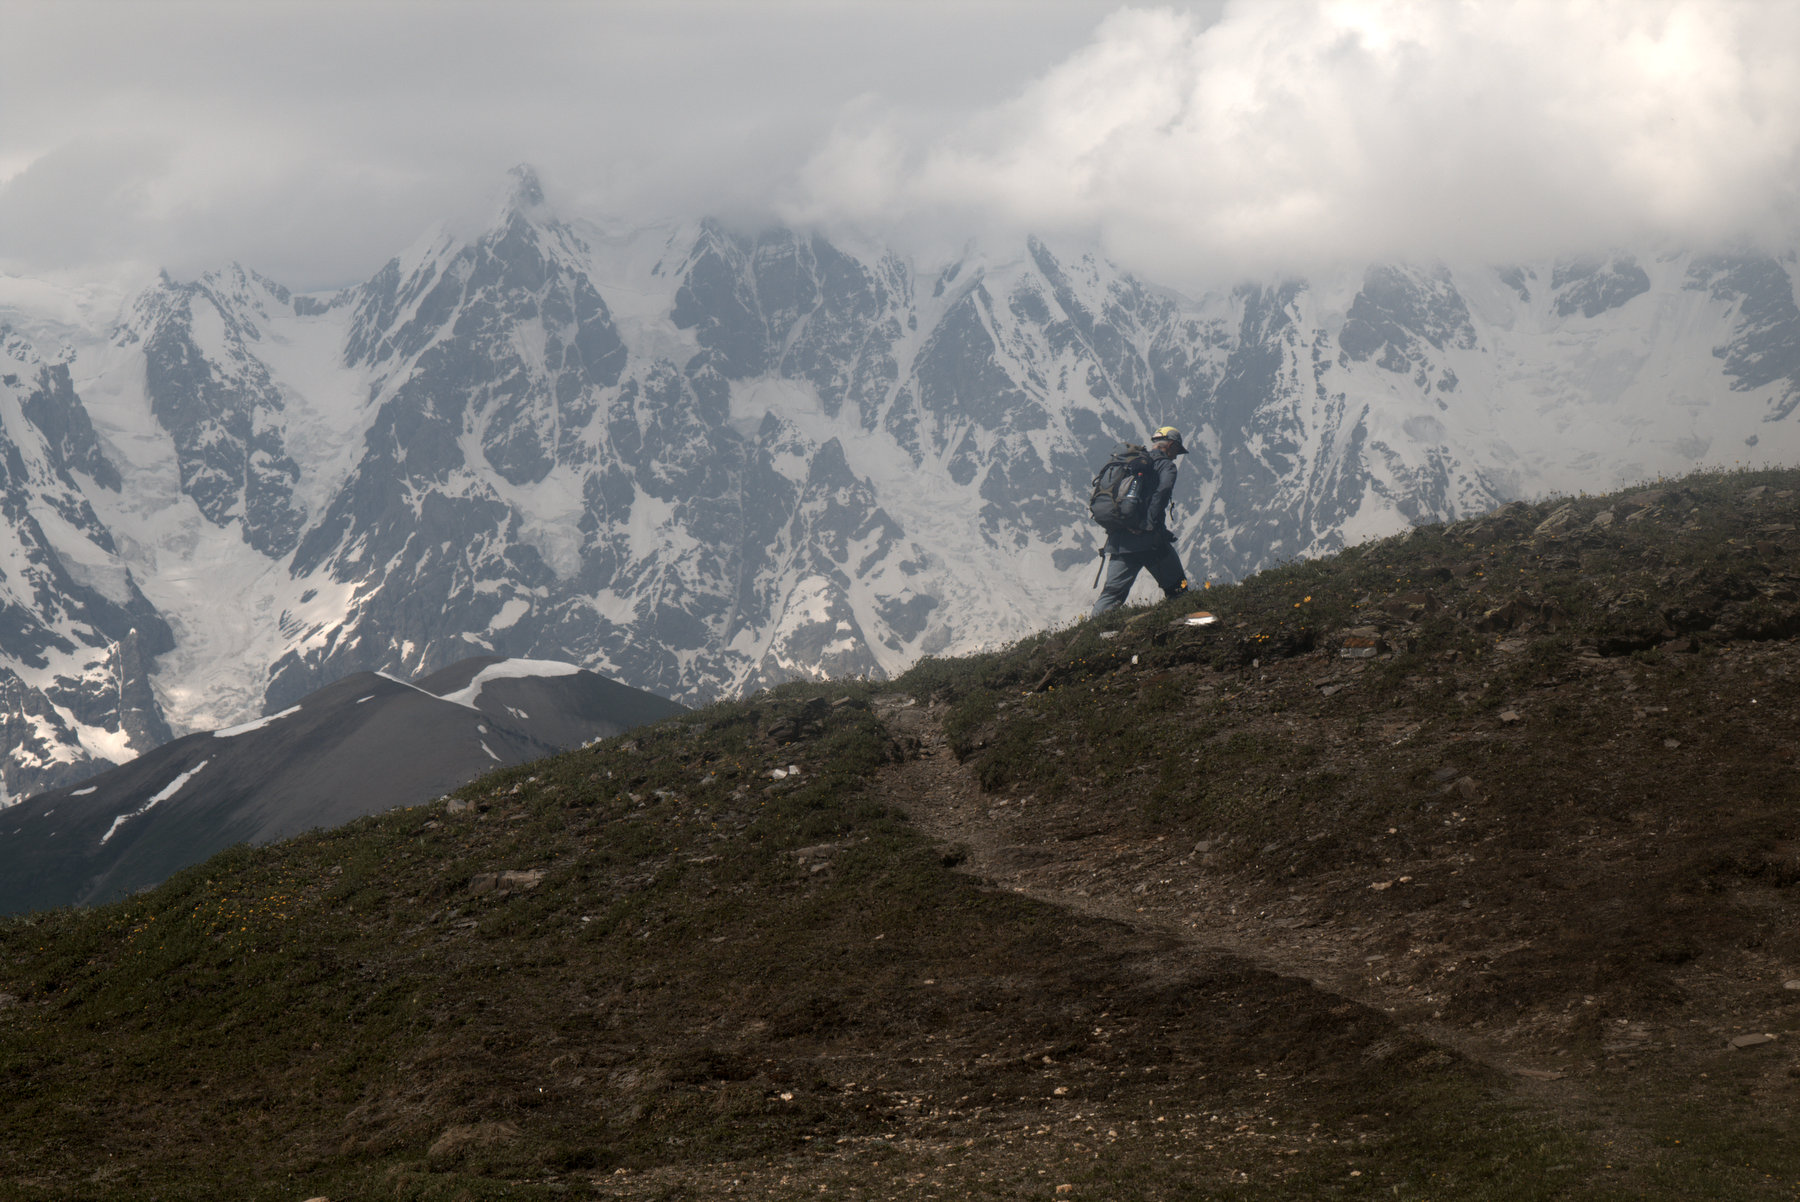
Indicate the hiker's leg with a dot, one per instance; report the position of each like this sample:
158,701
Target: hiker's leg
1121,574
1166,568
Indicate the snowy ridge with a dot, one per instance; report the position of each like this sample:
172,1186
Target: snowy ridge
163,794
507,669
703,461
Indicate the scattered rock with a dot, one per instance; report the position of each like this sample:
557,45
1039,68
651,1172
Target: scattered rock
457,1142
1751,1041
1519,610
457,806
506,882
1542,1074
1508,717
1359,647
1503,616
1410,606
1784,985
1648,498
1556,523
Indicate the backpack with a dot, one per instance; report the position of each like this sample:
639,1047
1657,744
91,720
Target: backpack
1122,488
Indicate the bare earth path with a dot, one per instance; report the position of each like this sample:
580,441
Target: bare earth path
1097,868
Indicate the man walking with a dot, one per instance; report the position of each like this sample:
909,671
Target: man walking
1153,545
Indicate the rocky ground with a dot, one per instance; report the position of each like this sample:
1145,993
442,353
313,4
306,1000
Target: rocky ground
1460,866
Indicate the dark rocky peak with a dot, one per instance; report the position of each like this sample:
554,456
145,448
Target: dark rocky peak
1401,311
54,408
243,300
1593,285
960,378
1519,279
527,265
1267,309
948,276
748,294
388,299
718,300
524,250
21,356
1101,309
525,194
218,402
526,233
1765,344
57,436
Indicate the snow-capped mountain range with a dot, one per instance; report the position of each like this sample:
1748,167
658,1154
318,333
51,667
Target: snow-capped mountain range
702,461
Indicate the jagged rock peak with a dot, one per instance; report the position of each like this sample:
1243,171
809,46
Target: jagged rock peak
524,193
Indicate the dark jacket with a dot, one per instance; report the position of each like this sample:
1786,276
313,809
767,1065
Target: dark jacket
1155,535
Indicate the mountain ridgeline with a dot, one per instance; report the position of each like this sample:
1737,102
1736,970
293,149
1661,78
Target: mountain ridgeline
362,745
703,460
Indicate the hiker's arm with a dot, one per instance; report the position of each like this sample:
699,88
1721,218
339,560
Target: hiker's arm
1159,500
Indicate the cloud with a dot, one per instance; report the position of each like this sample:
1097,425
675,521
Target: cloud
312,141
1287,136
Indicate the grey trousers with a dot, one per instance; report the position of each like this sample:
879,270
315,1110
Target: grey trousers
1122,571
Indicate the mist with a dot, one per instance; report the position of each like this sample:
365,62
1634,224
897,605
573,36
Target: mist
1294,137
1196,143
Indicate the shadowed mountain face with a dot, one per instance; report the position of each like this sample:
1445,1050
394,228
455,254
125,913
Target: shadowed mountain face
704,460
363,745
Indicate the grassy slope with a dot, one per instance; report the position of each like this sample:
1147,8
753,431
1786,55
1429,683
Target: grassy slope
726,978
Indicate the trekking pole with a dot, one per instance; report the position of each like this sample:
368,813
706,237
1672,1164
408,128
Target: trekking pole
1101,568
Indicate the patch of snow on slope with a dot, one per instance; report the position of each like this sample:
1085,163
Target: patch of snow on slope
169,790
232,732
509,669
510,612
326,408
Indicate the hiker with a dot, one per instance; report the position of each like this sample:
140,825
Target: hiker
1151,545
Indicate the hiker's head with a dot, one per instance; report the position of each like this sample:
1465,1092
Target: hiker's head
1168,441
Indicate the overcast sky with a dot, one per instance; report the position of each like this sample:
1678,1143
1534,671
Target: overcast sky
1197,142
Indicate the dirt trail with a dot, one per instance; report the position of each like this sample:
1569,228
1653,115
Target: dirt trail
1095,867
